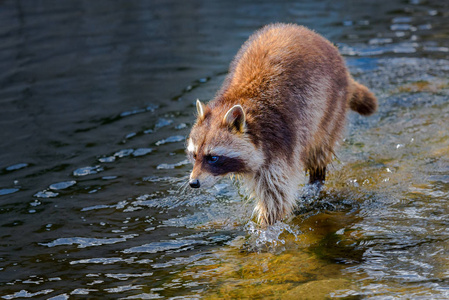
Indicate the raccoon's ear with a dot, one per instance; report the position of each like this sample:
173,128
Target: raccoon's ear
200,109
235,118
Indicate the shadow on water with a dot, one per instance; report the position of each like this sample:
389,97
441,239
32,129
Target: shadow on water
97,99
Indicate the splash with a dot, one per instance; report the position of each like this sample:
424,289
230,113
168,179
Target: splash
272,238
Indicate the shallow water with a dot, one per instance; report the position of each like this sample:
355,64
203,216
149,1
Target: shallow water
97,99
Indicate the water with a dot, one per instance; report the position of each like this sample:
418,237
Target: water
97,98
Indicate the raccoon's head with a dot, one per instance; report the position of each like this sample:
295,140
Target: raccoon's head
218,145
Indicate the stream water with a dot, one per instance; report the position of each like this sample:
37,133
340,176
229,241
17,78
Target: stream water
97,98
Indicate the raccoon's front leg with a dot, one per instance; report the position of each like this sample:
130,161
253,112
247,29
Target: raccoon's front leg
275,192
272,206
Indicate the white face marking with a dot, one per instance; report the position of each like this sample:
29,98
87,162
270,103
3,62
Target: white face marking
191,147
223,151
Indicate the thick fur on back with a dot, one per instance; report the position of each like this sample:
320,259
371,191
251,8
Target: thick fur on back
294,89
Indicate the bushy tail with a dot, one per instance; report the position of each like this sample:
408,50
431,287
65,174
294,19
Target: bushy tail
362,100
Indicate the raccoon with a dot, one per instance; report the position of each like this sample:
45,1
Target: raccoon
280,111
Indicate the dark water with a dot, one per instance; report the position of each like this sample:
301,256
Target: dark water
97,98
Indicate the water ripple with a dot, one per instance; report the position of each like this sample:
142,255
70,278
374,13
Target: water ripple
87,170
8,191
17,167
121,276
171,139
172,245
87,242
26,294
62,185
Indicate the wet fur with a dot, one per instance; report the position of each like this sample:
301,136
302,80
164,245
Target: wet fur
281,110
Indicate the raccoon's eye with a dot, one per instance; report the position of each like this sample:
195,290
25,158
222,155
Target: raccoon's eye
194,156
212,159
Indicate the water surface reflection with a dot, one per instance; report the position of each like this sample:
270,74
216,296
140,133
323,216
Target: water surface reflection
97,99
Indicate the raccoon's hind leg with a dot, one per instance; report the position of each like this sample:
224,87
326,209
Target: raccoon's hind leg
317,175
315,164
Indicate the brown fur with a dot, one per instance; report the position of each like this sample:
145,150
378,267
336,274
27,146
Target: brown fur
281,109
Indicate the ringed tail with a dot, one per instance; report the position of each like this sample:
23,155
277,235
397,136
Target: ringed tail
362,99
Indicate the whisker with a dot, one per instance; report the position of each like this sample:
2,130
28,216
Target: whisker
181,188
184,187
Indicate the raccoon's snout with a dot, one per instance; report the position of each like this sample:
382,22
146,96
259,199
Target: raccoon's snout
195,183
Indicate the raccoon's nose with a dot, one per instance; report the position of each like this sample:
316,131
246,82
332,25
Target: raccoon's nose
195,183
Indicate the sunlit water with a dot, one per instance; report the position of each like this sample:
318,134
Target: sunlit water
97,99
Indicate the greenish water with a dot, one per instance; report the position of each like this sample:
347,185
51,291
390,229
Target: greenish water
97,99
